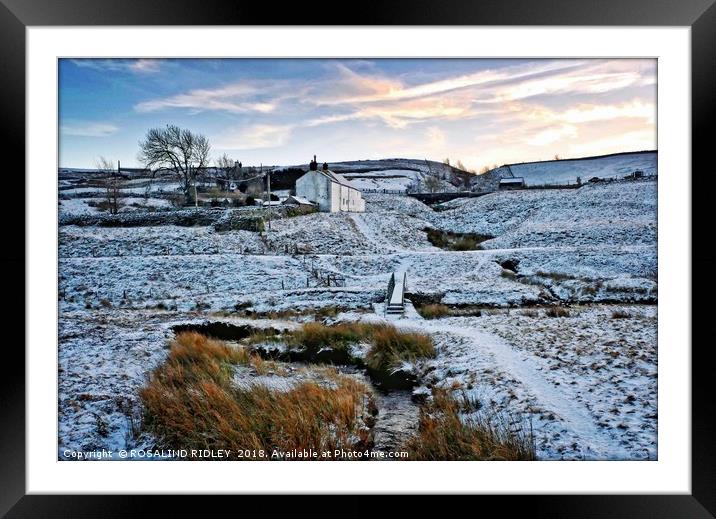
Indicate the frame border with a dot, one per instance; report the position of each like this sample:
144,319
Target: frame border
700,15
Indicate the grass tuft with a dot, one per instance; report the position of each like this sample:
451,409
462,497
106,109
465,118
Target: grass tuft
191,402
620,314
557,311
433,310
445,435
455,241
391,347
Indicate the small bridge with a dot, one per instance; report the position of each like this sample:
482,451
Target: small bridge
395,296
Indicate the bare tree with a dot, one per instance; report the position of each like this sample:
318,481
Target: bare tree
226,164
111,180
178,150
432,183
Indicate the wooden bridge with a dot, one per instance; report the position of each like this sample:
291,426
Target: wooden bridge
395,296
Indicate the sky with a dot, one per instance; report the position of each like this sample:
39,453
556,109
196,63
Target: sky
283,111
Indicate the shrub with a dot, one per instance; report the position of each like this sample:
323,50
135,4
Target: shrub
557,311
620,314
530,313
443,434
454,240
191,403
433,310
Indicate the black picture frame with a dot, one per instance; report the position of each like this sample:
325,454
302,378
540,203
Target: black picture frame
700,15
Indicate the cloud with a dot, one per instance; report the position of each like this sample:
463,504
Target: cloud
254,137
362,93
372,96
553,135
136,66
593,112
145,66
88,129
234,98
637,140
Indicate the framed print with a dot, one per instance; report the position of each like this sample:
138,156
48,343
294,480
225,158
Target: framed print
461,254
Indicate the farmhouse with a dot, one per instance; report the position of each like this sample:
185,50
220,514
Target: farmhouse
330,191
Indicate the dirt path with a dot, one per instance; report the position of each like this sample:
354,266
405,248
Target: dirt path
371,236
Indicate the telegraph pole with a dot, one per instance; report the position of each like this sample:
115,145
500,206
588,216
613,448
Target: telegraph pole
196,198
269,197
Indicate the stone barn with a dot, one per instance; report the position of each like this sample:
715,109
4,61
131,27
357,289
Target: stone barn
330,191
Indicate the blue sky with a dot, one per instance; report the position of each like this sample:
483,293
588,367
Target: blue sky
282,111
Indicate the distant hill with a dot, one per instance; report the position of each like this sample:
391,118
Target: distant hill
396,174
604,166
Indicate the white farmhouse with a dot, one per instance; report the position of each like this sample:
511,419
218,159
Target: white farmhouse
330,191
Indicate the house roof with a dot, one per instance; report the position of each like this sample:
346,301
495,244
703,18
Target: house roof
300,200
338,179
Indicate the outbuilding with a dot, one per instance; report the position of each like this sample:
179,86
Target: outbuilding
512,183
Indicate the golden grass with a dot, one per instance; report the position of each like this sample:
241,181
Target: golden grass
316,336
443,435
433,310
620,314
190,402
557,311
390,347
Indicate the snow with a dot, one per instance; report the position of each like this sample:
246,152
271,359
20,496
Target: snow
77,206
586,393
563,171
587,382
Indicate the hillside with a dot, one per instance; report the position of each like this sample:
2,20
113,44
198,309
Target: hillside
397,174
617,165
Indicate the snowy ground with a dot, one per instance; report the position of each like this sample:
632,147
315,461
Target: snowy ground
561,171
587,381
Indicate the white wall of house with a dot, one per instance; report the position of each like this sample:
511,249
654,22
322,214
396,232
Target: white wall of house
316,188
330,196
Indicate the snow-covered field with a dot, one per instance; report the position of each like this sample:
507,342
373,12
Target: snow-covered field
587,381
562,171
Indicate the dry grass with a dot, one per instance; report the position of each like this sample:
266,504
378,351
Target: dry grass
443,435
530,313
313,337
433,310
318,342
557,311
620,314
455,241
191,402
390,347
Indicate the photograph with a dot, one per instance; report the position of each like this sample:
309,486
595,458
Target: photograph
359,259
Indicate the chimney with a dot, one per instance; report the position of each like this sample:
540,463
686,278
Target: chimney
313,166
325,166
